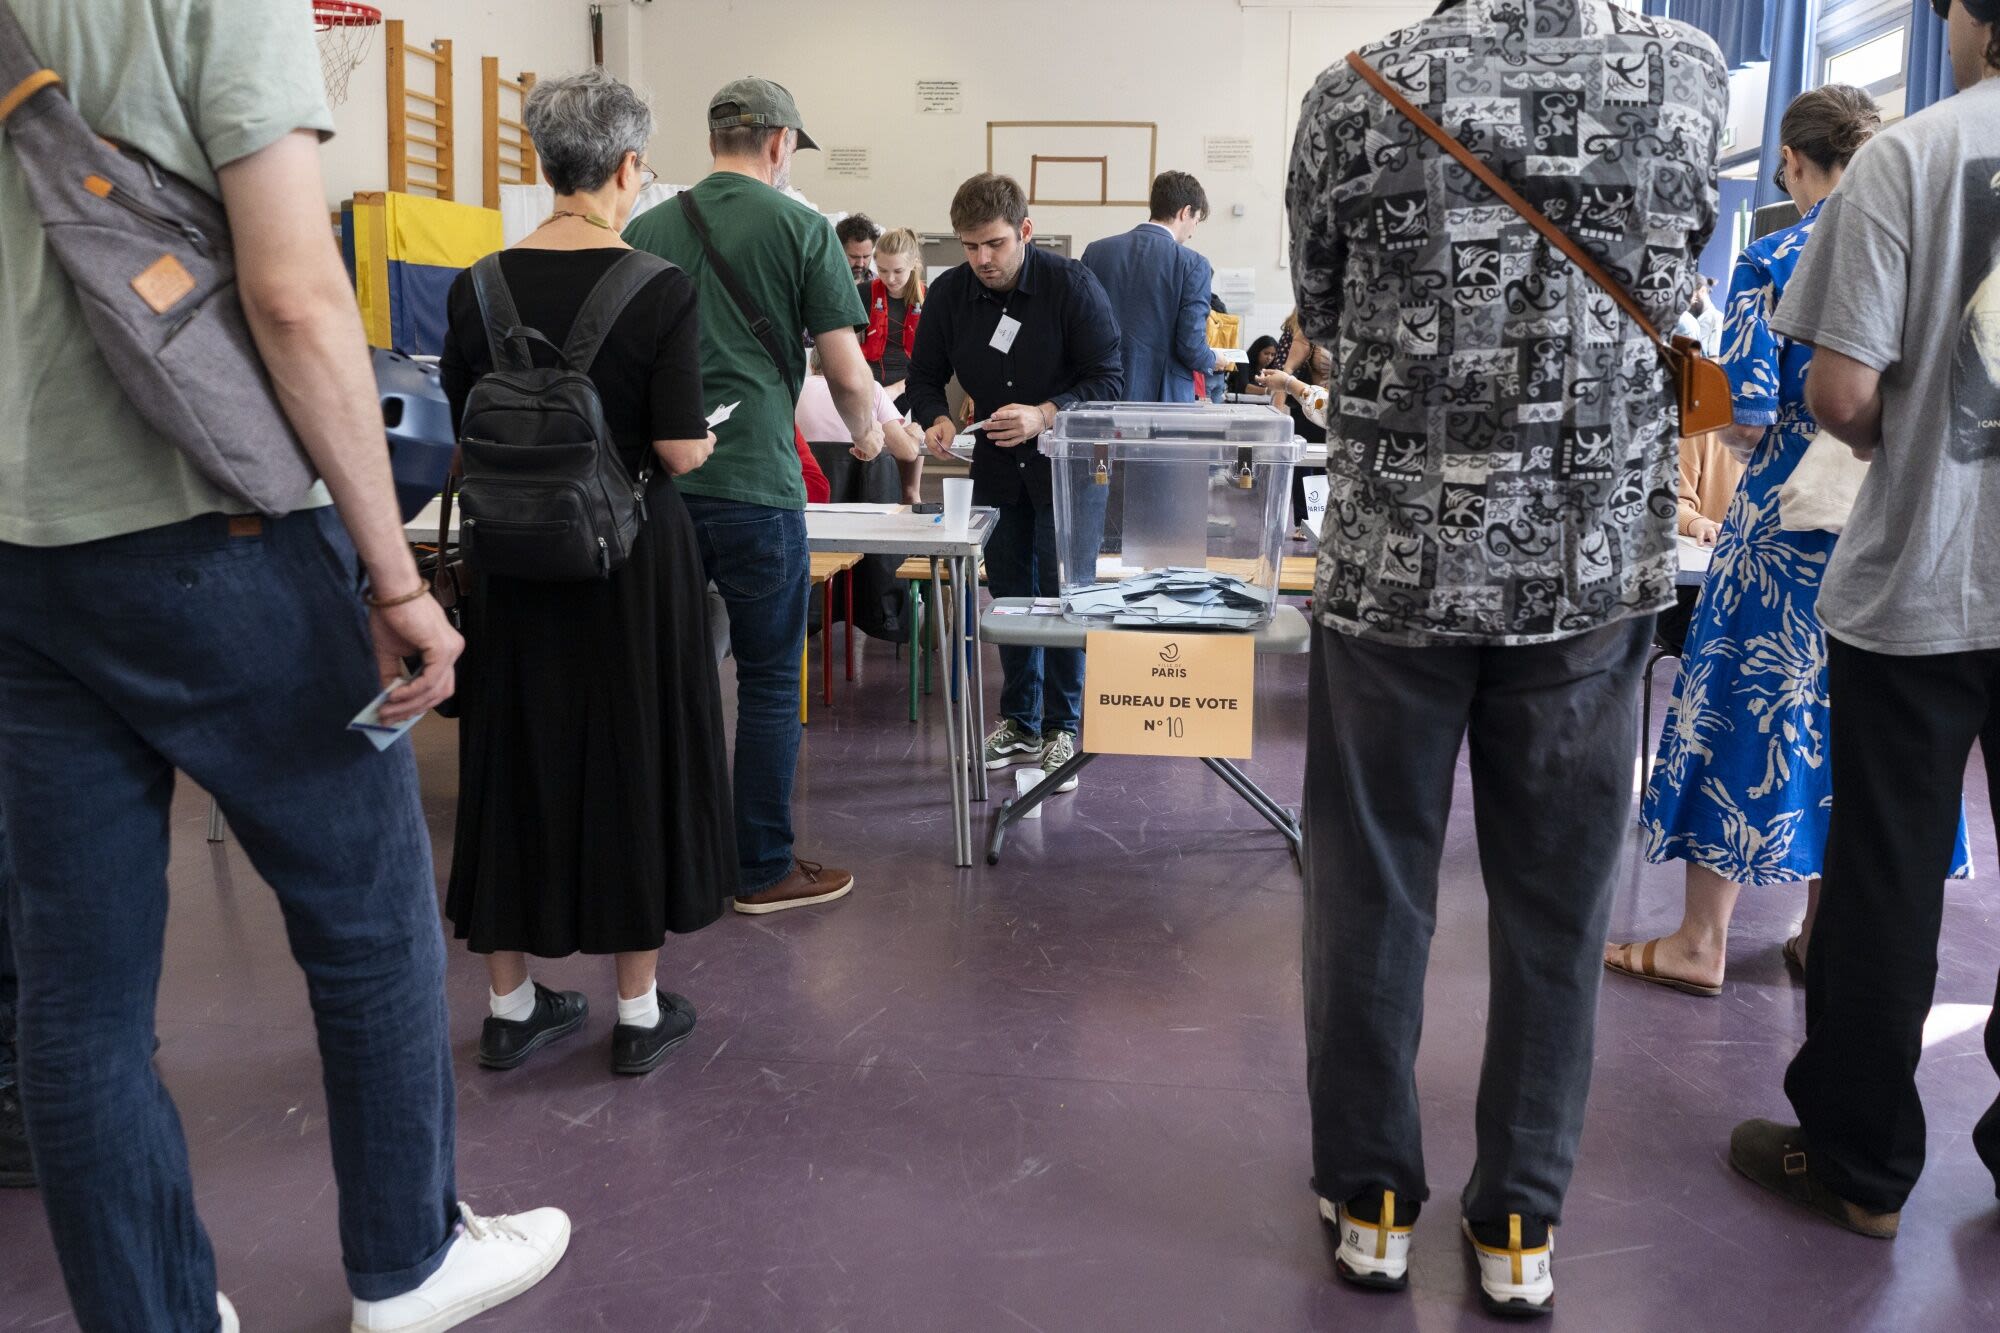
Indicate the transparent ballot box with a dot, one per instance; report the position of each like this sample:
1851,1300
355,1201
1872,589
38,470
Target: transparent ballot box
1171,516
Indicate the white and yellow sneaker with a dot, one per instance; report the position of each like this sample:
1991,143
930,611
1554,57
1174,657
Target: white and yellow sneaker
1372,1254
1515,1265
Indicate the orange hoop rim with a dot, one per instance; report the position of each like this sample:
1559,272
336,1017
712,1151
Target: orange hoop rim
328,14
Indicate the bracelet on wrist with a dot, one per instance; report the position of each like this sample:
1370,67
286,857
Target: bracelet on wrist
383,603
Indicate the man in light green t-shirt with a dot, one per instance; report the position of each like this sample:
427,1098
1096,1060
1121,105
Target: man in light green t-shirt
748,500
148,625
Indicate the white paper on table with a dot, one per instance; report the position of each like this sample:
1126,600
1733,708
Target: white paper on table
722,414
1695,558
1230,356
857,508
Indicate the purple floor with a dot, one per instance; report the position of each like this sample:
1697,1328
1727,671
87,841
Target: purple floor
1063,1093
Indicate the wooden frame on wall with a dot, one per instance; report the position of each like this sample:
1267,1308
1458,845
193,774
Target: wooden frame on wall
1102,162
509,156
436,118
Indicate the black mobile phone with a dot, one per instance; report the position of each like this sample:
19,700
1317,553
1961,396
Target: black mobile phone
936,508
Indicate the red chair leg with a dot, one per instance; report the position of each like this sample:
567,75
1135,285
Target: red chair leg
850,624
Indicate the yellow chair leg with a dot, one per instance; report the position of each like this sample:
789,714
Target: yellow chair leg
805,680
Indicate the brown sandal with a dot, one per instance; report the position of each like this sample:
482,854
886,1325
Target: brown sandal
1642,969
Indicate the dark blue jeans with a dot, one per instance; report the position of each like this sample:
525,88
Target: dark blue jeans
10,987
756,556
237,659
1041,688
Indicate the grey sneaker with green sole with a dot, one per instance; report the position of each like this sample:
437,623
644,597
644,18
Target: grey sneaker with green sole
1010,744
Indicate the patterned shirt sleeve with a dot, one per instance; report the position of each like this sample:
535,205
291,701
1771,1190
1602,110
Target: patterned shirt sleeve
1749,348
1319,246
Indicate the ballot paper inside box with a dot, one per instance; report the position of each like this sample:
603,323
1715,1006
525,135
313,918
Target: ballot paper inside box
1171,516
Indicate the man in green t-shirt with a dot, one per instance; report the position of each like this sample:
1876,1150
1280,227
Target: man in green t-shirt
748,500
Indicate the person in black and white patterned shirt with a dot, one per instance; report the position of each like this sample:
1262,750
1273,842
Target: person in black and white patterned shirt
1498,539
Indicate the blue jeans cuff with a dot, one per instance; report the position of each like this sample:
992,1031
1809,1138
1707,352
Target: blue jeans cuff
388,1286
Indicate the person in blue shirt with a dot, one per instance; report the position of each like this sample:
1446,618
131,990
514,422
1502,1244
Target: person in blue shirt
1028,333
1159,291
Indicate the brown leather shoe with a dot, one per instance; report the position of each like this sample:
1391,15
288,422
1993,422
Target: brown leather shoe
1774,1156
809,884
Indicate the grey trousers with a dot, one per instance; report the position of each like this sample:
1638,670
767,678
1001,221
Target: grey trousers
1553,730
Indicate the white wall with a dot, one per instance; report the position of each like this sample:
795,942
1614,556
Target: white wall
546,36
1197,67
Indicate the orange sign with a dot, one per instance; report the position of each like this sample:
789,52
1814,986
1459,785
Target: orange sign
1184,695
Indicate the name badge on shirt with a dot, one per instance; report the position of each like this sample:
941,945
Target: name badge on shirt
1004,334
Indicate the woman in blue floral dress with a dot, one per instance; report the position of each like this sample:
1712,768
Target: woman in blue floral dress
1741,789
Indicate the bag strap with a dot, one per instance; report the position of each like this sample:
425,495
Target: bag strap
444,523
21,72
614,291
760,327
507,339
1533,216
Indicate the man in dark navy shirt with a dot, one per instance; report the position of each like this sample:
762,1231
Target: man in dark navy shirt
1028,333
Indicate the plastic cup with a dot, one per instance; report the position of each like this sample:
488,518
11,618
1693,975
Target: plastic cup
1025,781
957,504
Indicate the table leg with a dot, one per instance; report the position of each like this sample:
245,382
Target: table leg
954,728
216,826
978,710
1016,808
1255,797
826,642
913,618
805,678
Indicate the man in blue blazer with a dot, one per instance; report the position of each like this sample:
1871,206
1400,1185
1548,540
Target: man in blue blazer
1159,292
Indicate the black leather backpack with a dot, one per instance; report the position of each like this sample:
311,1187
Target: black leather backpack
544,494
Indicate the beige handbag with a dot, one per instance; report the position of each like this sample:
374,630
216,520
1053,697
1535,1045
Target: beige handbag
1820,493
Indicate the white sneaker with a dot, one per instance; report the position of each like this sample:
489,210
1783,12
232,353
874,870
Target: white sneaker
492,1260
230,1323
1516,1279
1371,1254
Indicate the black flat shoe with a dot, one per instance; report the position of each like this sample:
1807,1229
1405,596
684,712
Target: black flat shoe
503,1044
637,1050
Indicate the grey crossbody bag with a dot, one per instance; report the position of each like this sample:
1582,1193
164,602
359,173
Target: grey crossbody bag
149,255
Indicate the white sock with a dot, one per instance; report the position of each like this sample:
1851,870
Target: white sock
643,1012
516,1008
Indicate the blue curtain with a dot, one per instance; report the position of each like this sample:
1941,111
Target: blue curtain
1742,28
1927,63
1790,49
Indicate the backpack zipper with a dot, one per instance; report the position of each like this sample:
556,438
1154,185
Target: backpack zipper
117,194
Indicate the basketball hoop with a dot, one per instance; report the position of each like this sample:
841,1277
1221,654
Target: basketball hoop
344,31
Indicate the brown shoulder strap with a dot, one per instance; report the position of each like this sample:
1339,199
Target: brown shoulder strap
1508,195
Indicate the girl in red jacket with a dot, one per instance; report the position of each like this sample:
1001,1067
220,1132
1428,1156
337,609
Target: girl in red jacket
895,305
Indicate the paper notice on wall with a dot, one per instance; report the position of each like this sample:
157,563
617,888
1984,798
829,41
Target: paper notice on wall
848,163
940,97
1227,152
1237,287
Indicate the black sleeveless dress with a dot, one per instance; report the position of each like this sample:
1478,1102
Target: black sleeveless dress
594,802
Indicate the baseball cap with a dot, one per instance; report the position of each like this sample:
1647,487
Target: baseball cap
754,101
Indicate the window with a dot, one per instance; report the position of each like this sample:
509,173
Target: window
1865,43
1876,64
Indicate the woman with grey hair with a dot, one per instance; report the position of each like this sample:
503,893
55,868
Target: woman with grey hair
594,802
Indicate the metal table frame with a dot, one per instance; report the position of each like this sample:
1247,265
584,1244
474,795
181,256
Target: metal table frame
1286,634
955,556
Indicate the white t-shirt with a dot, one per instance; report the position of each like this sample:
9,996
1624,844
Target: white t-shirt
819,420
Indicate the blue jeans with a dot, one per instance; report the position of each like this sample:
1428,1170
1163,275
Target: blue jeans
237,659
1041,688
756,556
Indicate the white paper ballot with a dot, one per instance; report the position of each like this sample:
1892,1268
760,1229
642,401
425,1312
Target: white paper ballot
1231,356
977,425
722,414
369,722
